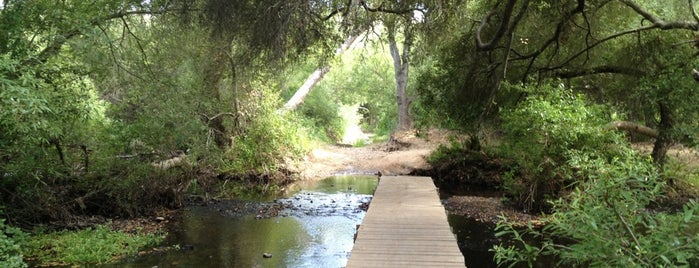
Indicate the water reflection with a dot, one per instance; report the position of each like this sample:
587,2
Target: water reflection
475,239
316,229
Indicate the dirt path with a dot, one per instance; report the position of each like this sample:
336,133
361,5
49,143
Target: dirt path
385,158
333,160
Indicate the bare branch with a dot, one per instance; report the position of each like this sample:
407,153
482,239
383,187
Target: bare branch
504,25
632,127
661,24
605,69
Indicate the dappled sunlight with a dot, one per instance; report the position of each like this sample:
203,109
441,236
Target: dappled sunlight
353,132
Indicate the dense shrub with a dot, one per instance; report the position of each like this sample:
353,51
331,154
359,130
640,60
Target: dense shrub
598,188
322,117
605,221
544,132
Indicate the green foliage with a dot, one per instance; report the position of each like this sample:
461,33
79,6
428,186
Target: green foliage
323,115
611,203
548,129
268,139
96,245
10,251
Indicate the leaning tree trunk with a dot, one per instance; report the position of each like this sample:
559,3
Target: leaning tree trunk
315,77
400,66
664,140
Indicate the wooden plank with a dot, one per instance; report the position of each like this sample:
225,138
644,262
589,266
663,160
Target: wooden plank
405,226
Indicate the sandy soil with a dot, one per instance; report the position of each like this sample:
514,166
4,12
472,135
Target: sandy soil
333,159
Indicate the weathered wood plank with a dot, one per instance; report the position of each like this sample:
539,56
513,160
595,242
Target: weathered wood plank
405,226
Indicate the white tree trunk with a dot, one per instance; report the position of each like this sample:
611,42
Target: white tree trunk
401,66
315,77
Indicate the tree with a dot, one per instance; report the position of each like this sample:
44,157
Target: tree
399,18
316,76
591,45
401,65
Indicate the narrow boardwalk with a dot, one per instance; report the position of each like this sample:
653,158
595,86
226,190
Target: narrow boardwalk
405,226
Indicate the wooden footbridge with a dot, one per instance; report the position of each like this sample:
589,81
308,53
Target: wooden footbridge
405,226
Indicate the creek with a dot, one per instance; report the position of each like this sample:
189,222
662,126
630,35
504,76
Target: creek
313,226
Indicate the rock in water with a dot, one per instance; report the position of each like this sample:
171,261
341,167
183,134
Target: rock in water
266,255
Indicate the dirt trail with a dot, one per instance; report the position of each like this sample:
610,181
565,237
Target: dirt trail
388,159
410,155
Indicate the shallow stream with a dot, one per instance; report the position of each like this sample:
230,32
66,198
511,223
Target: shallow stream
314,226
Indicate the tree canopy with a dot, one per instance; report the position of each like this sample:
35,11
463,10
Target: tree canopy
116,107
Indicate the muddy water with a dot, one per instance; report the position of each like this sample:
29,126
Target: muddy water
314,227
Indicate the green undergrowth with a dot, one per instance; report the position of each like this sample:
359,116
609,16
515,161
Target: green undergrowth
10,248
96,245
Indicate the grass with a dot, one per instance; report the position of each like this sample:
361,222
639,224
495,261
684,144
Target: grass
96,245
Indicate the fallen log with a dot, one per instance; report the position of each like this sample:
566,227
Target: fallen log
632,127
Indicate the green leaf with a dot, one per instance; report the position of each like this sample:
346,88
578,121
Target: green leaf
688,215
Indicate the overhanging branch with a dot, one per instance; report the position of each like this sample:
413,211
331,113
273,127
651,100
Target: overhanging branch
604,69
595,44
504,25
661,24
382,9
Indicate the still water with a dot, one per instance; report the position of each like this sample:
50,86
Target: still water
314,227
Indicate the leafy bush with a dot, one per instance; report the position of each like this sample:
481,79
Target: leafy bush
269,138
605,222
323,116
542,133
10,252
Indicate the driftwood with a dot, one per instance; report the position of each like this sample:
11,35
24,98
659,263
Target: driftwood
166,164
632,127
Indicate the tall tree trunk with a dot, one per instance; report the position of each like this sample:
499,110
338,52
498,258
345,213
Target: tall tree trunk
315,77
664,140
400,66
213,74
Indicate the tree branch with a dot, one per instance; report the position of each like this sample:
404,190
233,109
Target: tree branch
694,10
57,43
593,45
504,25
386,10
661,24
632,127
599,70
556,35
344,11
